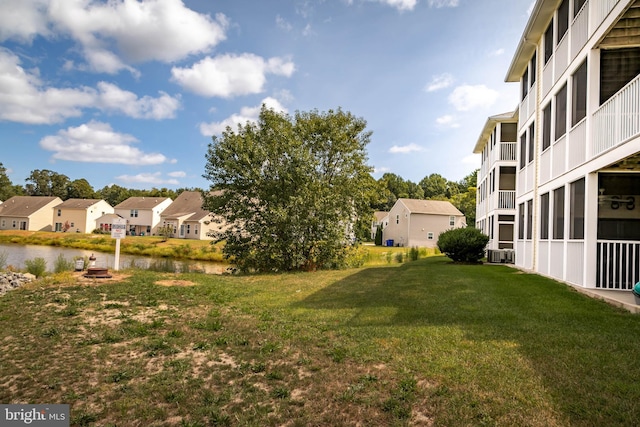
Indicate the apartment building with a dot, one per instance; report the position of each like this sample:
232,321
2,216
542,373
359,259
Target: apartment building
496,194
578,135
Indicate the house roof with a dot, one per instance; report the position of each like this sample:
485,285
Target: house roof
78,203
187,203
141,202
489,126
539,19
380,215
23,206
431,207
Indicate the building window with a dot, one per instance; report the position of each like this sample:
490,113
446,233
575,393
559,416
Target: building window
397,219
13,223
563,20
579,94
617,68
509,132
558,213
521,221
133,213
59,212
491,227
430,235
525,84
532,138
577,6
544,216
576,210
452,221
561,112
523,150
548,43
546,127
3,223
532,69
529,219
188,228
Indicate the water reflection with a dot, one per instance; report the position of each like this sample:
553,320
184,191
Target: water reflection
17,254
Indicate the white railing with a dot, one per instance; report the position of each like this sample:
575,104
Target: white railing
545,166
580,30
508,151
575,262
507,199
561,56
559,157
578,144
618,119
618,264
547,77
600,9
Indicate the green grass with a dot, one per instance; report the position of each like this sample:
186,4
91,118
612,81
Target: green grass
421,343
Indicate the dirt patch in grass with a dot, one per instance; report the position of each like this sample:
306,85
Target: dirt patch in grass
174,282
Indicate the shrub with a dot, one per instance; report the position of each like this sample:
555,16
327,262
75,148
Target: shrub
36,266
378,237
463,244
62,264
3,259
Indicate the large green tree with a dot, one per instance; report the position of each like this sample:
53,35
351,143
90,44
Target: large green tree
290,189
80,189
7,189
47,183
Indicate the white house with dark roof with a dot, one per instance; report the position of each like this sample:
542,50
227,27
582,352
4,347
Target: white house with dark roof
31,213
578,173
79,215
414,222
496,192
142,214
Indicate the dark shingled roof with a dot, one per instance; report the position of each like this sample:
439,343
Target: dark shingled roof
23,206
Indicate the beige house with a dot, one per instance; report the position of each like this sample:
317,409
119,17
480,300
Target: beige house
187,217
380,218
79,215
142,214
418,223
31,213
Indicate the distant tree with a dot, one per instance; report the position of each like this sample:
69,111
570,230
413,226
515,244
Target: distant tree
47,183
466,203
80,189
113,194
291,189
435,187
415,191
378,237
396,185
6,186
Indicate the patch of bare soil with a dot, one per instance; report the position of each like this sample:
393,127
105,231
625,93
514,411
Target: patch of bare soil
174,282
115,277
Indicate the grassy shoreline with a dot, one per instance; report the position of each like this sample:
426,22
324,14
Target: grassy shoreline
419,343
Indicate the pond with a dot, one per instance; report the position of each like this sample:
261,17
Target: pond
16,255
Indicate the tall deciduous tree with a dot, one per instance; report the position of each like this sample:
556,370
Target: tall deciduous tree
290,189
47,183
80,189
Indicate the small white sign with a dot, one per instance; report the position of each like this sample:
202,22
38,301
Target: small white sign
119,228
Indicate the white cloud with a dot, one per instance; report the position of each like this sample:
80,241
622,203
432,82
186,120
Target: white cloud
404,149
497,52
113,98
438,82
283,24
147,178
247,114
471,159
448,121
137,31
467,97
230,75
177,174
23,20
97,142
381,169
443,3
24,100
401,4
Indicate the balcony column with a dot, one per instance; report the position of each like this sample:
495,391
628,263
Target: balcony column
590,230
593,95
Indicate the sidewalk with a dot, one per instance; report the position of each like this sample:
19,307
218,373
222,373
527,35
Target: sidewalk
622,299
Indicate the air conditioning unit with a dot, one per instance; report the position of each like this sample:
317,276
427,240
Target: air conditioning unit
509,256
496,256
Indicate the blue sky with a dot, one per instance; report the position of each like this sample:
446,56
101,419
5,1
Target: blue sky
129,92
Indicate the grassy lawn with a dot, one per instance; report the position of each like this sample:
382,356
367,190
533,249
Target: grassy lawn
426,342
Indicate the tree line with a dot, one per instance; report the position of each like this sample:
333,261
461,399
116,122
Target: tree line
388,188
44,182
